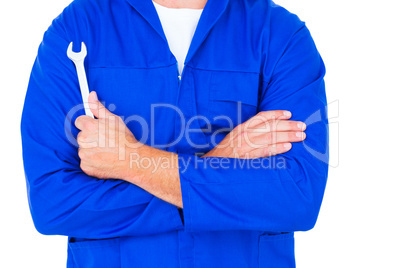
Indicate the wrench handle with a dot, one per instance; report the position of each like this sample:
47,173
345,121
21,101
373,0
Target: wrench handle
82,79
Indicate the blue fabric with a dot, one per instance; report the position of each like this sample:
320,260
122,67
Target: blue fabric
247,51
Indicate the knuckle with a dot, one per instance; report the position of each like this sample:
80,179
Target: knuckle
81,154
262,152
80,138
258,117
243,135
118,119
276,136
270,151
236,131
268,115
103,110
269,128
84,167
240,151
78,121
87,124
274,124
292,136
238,127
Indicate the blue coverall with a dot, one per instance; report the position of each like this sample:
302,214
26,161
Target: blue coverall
251,52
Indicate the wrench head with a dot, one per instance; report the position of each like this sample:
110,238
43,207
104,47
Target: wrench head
80,56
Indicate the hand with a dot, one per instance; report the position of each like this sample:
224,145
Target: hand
266,134
103,142
106,146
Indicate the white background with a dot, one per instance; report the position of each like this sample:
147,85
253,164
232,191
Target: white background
361,217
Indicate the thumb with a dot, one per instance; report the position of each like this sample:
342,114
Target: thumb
97,108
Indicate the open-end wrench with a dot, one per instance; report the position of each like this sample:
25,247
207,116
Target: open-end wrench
78,59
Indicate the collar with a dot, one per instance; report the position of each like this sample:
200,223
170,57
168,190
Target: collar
213,10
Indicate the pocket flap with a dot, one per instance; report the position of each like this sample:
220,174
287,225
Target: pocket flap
277,251
235,86
96,253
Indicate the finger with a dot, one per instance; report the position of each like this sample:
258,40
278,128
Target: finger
81,153
86,142
265,116
83,122
270,150
283,137
97,108
273,138
277,126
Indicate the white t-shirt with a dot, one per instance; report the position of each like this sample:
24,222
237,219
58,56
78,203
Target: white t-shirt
179,25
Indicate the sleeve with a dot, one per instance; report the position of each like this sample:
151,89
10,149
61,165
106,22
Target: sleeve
63,200
282,193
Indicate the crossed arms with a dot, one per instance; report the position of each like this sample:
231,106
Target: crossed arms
71,194
266,134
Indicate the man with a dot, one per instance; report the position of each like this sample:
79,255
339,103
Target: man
192,159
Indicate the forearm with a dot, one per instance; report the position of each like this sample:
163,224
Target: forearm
156,171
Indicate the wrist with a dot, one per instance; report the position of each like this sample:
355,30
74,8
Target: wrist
130,166
143,161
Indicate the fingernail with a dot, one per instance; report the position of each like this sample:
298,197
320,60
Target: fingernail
301,126
287,145
287,113
95,95
301,135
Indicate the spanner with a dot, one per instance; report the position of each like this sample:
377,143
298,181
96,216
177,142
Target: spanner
78,59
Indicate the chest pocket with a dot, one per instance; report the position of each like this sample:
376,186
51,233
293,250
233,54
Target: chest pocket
137,95
232,100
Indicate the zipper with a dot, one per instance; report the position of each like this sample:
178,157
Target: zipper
178,73
177,102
